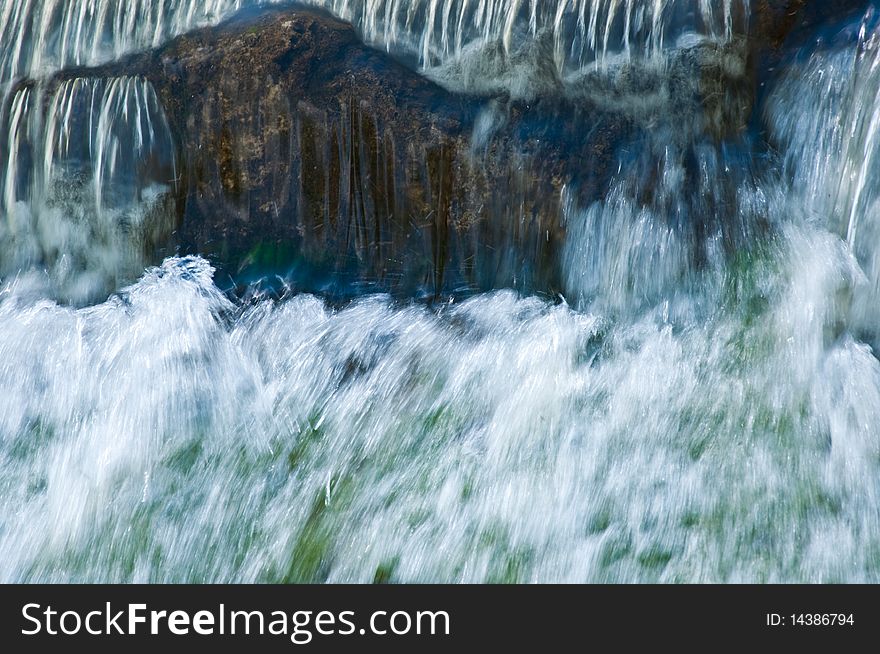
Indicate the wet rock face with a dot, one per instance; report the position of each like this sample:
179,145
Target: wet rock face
775,20
305,153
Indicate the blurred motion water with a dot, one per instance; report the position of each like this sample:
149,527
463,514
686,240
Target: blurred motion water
89,166
675,417
45,35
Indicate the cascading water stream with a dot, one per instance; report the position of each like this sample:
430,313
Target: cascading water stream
84,181
704,406
48,35
45,36
827,117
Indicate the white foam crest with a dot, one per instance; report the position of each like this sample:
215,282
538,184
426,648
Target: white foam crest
502,439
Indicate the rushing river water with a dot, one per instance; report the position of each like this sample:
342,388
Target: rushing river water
661,421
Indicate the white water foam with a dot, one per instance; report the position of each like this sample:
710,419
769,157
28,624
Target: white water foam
673,424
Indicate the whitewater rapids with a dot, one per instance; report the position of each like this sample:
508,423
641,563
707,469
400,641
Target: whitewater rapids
169,435
660,423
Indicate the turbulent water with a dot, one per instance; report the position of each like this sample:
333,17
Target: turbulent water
663,421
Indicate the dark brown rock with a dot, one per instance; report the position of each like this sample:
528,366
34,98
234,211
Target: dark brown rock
304,152
774,21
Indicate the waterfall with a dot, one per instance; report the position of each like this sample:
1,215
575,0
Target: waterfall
48,35
826,115
698,402
88,166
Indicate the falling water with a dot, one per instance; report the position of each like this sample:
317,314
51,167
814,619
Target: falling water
701,405
84,181
47,35
834,163
129,152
